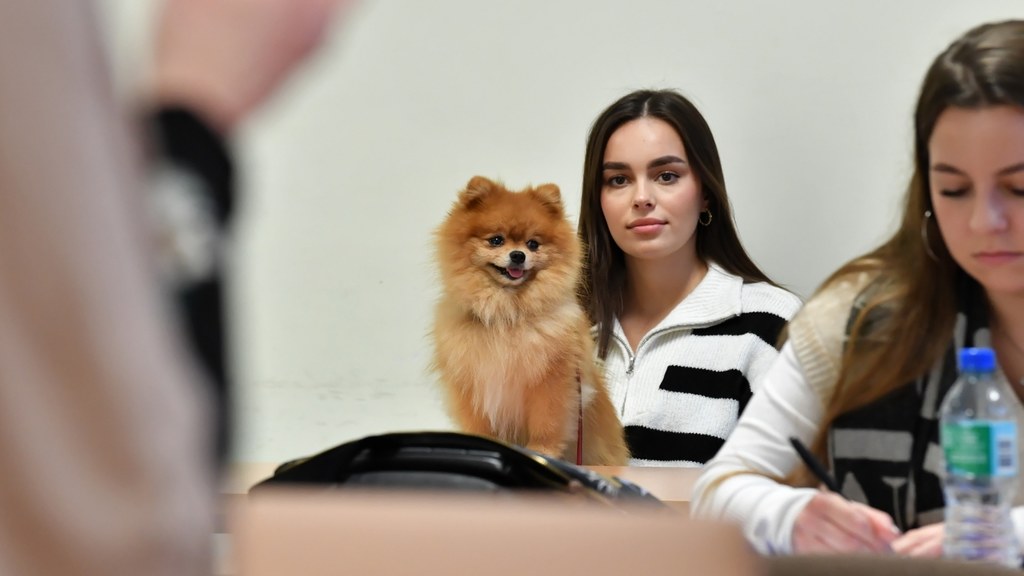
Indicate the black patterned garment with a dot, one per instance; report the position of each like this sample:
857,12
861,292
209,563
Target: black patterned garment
191,199
888,454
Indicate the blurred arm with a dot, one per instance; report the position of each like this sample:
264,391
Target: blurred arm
101,427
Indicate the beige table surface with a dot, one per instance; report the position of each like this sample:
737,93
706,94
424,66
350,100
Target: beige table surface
671,485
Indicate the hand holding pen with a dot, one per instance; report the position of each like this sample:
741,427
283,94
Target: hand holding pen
831,523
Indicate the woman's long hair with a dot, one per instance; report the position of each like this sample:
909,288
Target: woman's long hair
602,284
912,301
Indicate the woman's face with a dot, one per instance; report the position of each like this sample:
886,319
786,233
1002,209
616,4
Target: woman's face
650,196
977,191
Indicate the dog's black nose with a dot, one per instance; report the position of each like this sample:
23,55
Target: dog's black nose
517,257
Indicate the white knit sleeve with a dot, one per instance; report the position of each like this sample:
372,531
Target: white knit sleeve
737,484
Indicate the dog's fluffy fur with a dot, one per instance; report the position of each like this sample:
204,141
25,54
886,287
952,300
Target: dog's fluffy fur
512,346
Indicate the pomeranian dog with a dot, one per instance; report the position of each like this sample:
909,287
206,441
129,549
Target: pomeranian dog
512,345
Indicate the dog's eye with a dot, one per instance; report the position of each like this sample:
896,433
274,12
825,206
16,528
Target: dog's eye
533,245
496,240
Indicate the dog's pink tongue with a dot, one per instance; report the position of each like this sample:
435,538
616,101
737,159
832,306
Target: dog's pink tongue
515,272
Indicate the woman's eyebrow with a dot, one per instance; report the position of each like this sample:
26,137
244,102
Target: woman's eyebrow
1011,169
614,166
949,169
663,160
666,160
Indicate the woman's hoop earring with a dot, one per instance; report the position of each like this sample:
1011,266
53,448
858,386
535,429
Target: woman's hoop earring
924,235
701,219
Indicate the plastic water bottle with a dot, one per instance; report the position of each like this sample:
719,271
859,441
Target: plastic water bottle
979,441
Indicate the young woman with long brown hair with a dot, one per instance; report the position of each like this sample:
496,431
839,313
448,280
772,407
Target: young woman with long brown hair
871,356
685,321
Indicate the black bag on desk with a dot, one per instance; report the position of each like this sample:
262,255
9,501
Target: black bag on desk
451,461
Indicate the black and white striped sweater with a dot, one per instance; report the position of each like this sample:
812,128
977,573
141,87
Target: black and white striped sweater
680,395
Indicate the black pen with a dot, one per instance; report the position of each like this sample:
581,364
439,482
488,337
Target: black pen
815,466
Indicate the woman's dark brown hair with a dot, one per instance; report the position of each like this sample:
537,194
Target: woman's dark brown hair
603,281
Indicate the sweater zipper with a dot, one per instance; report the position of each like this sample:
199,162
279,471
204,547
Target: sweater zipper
629,353
632,356
629,372
650,336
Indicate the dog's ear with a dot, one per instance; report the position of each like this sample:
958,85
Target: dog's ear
550,196
476,190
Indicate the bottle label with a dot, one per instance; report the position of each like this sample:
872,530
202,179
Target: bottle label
980,448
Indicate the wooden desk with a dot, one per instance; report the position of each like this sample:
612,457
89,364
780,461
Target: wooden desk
316,533
242,476
671,485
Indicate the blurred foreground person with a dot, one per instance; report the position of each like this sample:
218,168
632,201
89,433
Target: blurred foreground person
104,422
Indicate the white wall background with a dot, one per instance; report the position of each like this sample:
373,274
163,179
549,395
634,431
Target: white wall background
349,170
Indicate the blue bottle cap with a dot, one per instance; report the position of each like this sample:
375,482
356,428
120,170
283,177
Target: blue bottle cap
977,360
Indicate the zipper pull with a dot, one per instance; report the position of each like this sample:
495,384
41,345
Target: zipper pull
629,371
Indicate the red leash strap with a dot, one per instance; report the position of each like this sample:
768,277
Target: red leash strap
579,429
